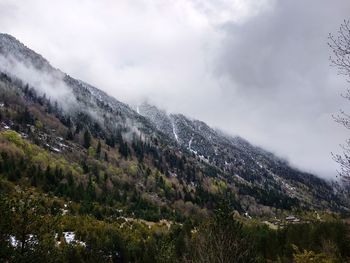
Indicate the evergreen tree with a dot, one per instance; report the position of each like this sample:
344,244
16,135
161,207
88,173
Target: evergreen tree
69,135
98,149
87,139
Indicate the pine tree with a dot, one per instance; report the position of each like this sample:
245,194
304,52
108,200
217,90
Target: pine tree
124,149
98,149
87,139
69,135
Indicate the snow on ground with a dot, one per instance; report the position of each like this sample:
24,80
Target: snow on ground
16,243
202,157
174,132
70,239
190,143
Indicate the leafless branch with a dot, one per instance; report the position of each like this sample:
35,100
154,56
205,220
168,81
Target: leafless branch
340,46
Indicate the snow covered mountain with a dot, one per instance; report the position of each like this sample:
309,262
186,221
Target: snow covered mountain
254,171
234,155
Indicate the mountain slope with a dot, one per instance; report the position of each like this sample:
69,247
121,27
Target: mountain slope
233,155
145,161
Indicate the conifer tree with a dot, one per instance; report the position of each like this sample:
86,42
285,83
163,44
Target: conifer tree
87,139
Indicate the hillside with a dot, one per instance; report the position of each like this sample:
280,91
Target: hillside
127,184
165,159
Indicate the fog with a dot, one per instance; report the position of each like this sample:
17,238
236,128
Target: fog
258,69
48,83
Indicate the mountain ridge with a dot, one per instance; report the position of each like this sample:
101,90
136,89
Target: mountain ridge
249,170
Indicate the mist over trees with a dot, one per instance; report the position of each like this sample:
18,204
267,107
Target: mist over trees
113,187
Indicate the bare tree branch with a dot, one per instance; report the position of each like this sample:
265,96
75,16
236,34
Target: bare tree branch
340,46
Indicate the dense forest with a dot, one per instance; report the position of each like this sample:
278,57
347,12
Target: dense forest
71,192
34,229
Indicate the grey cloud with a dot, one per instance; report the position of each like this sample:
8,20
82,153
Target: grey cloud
289,42
281,81
259,69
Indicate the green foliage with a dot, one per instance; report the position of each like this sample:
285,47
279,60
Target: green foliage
106,194
329,240
14,137
38,124
312,257
30,227
36,223
223,239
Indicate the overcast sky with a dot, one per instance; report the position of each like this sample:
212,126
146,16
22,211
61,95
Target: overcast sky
254,68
